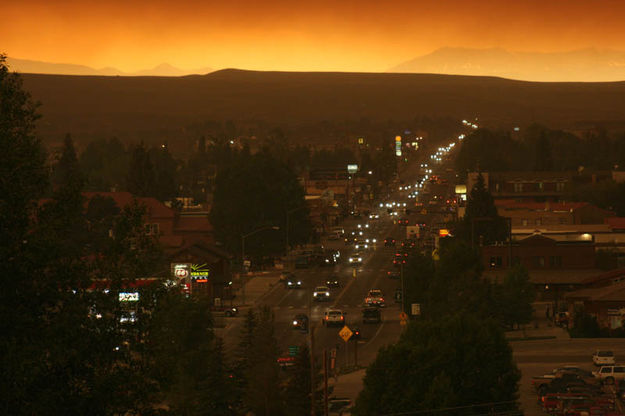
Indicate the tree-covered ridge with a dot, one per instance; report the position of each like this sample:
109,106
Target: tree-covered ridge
539,148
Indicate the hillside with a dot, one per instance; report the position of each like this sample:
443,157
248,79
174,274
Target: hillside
164,107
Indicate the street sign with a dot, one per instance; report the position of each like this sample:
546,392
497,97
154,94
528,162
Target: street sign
415,309
345,333
403,316
293,350
435,255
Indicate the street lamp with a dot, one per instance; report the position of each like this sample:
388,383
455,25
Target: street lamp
243,237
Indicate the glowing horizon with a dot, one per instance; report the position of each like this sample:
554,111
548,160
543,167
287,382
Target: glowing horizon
359,36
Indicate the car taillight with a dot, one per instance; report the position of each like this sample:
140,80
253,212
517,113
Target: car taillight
342,317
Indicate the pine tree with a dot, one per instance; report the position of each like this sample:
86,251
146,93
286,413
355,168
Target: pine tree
141,179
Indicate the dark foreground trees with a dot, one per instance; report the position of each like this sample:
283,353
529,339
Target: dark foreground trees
460,363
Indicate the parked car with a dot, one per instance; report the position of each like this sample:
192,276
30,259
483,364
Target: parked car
603,357
610,373
227,311
389,242
334,317
300,321
321,293
371,315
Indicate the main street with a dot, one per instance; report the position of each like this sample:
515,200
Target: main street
348,297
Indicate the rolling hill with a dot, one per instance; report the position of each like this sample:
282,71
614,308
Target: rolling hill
163,107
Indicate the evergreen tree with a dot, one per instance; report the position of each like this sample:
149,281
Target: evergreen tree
517,296
262,392
481,223
141,179
165,175
458,361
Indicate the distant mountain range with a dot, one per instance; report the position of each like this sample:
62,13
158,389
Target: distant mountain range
585,65
39,67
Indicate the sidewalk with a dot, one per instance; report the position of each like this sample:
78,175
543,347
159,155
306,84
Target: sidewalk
540,327
257,285
348,385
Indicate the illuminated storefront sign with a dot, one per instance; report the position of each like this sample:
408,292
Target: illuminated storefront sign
397,145
128,296
199,273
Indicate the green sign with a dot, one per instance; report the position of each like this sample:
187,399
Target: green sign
293,350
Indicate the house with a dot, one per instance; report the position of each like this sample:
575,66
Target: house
187,239
606,303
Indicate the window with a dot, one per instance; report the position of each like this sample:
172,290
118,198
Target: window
559,186
495,262
619,369
538,221
555,261
524,221
538,261
606,370
540,186
518,187
152,229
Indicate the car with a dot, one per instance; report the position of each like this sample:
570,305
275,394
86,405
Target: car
403,221
389,242
300,321
408,244
321,293
334,317
603,357
609,373
355,259
333,281
393,274
360,245
374,298
227,311
293,283
371,316
400,258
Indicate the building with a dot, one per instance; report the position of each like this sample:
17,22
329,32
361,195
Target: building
187,239
606,303
526,213
538,186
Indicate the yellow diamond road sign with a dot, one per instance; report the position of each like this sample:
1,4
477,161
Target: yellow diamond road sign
345,333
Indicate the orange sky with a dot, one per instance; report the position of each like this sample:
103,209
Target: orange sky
343,35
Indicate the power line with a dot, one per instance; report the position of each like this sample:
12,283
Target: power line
416,412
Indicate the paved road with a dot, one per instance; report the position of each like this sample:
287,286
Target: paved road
349,297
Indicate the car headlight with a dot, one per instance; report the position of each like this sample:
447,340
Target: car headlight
299,283
327,293
375,241
359,258
290,283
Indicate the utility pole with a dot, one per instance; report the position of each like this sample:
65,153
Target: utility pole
311,338
325,382
403,294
